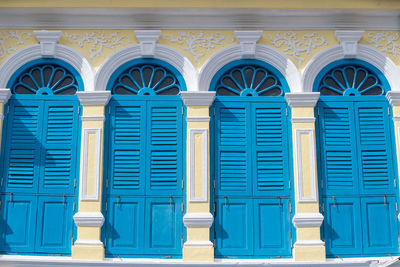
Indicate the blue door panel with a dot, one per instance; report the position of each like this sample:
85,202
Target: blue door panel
54,228
342,226
163,226
234,227
379,225
124,225
19,223
272,227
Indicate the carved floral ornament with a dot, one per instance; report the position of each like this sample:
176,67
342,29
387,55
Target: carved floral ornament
8,39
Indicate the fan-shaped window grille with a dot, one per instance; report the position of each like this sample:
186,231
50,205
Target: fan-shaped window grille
146,80
249,81
351,80
45,79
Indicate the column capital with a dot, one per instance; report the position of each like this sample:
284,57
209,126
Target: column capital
198,219
393,97
307,220
302,99
5,94
99,98
198,98
89,219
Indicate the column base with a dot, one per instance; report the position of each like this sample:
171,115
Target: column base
87,252
309,253
198,253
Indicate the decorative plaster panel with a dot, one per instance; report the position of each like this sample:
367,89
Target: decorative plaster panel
193,168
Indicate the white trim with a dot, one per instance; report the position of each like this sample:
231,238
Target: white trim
93,118
89,219
198,98
5,95
198,119
94,98
364,52
307,220
204,167
301,120
162,52
198,243
313,179
147,40
198,219
264,53
81,242
64,53
393,98
349,41
96,191
232,19
302,99
248,41
48,41
307,243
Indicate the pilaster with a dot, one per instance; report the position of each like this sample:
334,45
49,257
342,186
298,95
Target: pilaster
89,218
5,95
198,218
307,219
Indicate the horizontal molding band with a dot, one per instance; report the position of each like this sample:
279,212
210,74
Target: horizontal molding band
300,120
88,243
197,119
198,219
95,219
275,19
303,243
307,220
93,118
197,243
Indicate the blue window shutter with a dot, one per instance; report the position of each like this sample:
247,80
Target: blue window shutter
18,232
22,151
59,147
342,225
127,148
234,227
54,231
374,148
164,146
125,225
339,157
272,236
270,149
233,148
379,225
163,226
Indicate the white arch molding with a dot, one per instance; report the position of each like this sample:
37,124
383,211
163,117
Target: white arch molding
364,52
161,52
33,52
263,53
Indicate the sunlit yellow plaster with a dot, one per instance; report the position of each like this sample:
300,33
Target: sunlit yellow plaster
308,233
91,168
198,169
306,172
197,111
309,253
95,253
198,233
88,233
198,254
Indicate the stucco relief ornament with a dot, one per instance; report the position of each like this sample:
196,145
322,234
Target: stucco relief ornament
8,47
385,42
98,41
198,44
295,47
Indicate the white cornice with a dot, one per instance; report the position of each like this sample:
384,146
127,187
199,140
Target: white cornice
198,219
94,98
5,94
307,220
198,98
48,41
393,97
89,219
277,19
302,99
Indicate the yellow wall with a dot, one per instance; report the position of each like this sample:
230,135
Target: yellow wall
276,4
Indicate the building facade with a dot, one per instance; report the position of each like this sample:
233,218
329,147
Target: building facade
213,134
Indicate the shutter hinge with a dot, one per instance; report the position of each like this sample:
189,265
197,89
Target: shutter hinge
8,109
109,110
106,206
215,209
286,112
214,111
183,184
72,241
0,204
75,182
215,241
389,111
107,183
79,110
396,208
105,241
183,207
73,207
318,111
322,183
395,183
290,184
1,181
181,242
290,208
214,185
183,112
322,208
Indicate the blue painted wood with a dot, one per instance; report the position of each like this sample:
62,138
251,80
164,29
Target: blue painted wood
234,227
272,227
379,225
54,224
18,224
342,225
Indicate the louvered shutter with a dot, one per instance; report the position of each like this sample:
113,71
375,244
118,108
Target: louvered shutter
127,132
22,150
338,146
164,146
233,147
59,147
374,148
271,172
